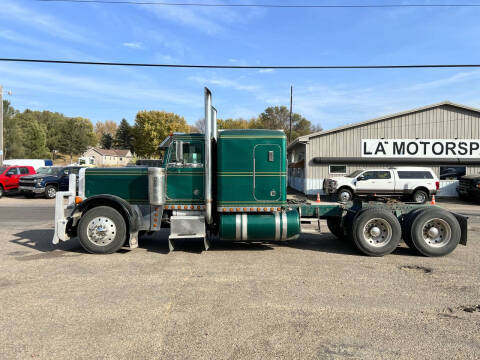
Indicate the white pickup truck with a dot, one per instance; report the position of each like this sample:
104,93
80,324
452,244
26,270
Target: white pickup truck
415,182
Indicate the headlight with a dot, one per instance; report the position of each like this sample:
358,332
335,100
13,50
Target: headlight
38,180
334,182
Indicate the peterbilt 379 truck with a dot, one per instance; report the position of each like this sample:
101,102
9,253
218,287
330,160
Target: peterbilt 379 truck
232,185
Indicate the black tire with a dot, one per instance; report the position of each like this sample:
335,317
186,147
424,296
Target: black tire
420,196
334,224
407,228
388,238
449,232
29,195
344,195
1,191
114,219
50,191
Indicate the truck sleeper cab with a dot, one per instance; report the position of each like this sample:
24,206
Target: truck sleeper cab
231,185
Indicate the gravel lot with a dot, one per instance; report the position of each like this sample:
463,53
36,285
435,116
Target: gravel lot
314,298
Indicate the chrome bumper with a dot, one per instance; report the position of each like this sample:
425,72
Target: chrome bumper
63,200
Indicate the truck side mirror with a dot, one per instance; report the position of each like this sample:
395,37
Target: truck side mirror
179,151
361,178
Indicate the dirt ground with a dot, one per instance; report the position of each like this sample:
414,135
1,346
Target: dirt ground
312,298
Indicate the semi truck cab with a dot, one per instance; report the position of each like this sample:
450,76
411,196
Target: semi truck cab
230,185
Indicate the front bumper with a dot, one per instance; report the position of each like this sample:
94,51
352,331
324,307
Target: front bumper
31,189
329,186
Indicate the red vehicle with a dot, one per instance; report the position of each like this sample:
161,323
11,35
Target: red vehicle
10,175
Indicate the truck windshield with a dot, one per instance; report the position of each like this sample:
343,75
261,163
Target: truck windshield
355,173
2,169
48,170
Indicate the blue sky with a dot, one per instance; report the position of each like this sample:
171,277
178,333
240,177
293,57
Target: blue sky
245,36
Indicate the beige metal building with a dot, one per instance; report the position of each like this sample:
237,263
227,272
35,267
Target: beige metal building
106,157
443,136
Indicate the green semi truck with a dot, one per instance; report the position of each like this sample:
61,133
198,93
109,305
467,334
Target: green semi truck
232,185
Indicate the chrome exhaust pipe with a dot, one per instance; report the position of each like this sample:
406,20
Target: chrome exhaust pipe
208,156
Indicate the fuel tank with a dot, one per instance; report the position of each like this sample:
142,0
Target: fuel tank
278,226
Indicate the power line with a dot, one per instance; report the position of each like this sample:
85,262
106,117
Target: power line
273,67
324,6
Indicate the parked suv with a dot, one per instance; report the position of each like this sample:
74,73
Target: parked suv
10,176
415,182
47,181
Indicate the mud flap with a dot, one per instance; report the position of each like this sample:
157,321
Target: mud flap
463,221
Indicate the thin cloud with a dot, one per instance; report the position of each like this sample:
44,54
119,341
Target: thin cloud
225,83
42,22
133,45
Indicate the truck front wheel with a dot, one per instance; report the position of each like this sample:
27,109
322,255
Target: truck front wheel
102,230
376,232
1,191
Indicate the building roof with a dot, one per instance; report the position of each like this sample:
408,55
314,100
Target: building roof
382,118
112,152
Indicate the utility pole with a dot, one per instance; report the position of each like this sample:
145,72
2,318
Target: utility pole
1,125
291,101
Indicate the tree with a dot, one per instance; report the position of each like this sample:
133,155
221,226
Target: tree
278,117
77,136
12,134
233,123
152,127
33,135
106,141
124,136
107,127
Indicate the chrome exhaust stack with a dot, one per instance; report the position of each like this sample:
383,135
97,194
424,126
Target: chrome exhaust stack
208,155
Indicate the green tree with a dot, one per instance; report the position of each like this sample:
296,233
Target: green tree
278,117
124,136
77,136
12,135
33,137
152,127
52,122
106,141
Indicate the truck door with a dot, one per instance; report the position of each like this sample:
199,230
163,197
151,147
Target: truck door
185,176
12,177
267,177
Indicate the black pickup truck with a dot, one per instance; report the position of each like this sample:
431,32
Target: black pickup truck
469,187
47,181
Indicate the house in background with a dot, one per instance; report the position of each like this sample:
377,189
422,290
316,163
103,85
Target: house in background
107,157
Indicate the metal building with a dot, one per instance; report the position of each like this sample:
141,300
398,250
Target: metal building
443,136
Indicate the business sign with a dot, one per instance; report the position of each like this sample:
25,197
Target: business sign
415,148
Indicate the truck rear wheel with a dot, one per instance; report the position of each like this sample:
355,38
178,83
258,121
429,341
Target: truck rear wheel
435,232
376,232
334,224
102,230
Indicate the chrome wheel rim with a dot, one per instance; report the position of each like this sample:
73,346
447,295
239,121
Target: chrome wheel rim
377,232
436,232
101,231
420,198
51,192
344,196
